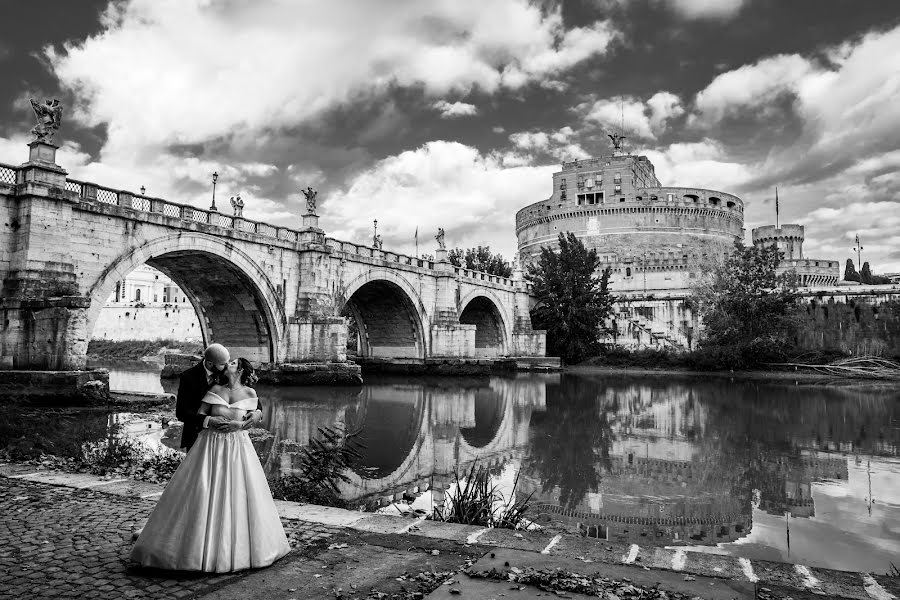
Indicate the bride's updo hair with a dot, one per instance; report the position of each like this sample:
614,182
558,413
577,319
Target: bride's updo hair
248,373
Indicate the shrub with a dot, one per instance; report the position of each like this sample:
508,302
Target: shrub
478,502
321,466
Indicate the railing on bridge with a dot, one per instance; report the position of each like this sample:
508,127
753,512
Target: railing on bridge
394,257
105,195
7,174
98,193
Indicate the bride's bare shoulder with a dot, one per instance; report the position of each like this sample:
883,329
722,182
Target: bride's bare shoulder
220,390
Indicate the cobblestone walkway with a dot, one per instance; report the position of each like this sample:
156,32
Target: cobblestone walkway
59,542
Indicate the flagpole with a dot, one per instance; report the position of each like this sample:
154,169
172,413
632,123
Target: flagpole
417,242
776,207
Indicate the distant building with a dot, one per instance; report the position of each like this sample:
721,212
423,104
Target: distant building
813,272
147,305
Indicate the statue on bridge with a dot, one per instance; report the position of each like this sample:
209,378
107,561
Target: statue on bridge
440,239
237,205
376,241
310,195
49,118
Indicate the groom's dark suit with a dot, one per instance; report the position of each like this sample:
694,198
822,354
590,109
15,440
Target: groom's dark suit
192,387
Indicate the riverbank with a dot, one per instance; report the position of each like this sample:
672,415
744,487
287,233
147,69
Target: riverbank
139,349
351,555
750,375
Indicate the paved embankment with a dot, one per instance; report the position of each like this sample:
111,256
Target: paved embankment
68,535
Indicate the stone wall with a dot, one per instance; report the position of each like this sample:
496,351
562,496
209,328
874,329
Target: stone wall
857,326
154,322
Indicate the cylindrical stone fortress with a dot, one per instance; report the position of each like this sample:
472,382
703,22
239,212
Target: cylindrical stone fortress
654,238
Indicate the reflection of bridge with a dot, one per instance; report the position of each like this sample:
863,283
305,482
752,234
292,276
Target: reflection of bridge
269,293
418,435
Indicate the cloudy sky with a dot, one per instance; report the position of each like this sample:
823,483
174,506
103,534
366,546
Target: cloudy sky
454,113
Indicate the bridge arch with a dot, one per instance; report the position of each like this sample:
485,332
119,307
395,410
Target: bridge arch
482,308
235,301
390,315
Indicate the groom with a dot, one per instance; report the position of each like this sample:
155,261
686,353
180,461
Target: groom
192,387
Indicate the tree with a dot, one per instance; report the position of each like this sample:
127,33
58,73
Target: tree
746,307
572,299
850,273
865,274
480,259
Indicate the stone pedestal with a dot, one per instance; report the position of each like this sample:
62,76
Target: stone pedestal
41,166
310,221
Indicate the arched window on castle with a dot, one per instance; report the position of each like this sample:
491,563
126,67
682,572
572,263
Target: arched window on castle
627,271
137,294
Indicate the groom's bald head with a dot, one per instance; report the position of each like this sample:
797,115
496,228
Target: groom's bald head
216,355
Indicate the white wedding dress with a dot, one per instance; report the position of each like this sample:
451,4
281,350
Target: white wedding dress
216,513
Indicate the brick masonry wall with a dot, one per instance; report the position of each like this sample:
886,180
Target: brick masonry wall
859,326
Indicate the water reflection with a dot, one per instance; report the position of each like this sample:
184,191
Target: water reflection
804,473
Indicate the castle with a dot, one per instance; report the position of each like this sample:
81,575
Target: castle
657,240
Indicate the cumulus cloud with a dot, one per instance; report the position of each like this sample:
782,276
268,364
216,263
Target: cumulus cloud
703,164
641,119
473,195
560,144
188,71
846,150
453,110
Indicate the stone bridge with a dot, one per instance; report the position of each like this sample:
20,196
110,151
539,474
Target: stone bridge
270,293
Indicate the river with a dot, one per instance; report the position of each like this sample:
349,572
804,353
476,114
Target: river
774,470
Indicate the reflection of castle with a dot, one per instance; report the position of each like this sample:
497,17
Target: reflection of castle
673,475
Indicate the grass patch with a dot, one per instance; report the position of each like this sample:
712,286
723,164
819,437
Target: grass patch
136,349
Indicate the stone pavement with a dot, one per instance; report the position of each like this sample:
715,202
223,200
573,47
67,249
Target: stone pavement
62,542
69,535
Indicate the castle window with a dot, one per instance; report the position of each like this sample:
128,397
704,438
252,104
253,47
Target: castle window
653,198
562,184
618,189
730,204
627,271
714,201
617,178
623,199
137,295
670,197
692,197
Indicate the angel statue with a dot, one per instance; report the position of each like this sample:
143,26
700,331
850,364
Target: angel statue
310,195
376,241
237,205
440,239
49,117
616,140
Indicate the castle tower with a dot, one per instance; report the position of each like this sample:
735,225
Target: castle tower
788,238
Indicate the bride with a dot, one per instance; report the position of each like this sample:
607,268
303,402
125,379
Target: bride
216,513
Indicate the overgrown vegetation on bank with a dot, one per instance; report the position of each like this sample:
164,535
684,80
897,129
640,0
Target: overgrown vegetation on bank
81,442
137,349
